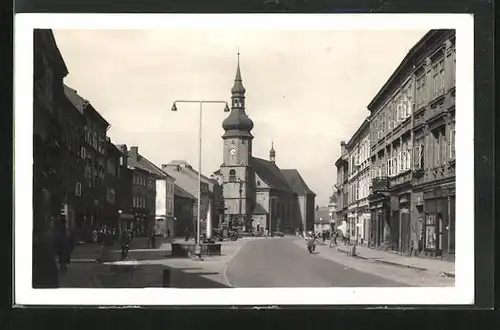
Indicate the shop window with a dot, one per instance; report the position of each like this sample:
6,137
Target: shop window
430,231
452,144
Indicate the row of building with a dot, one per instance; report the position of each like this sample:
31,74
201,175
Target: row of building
82,177
396,175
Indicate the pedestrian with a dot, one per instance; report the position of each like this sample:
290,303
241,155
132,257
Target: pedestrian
153,240
45,272
64,248
125,244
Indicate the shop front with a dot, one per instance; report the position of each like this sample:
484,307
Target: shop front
379,216
439,222
405,232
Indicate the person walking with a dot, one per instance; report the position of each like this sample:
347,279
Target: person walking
64,248
125,244
153,240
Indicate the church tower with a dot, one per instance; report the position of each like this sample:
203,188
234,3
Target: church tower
237,152
272,153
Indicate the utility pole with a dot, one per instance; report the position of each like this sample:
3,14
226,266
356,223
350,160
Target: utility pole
241,192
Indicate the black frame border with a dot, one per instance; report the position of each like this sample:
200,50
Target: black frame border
484,124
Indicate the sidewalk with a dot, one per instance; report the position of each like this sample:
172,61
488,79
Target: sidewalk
90,251
185,272
413,277
436,266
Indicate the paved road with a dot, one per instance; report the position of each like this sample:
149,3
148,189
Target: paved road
279,262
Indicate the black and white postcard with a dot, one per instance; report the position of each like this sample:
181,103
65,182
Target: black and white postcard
244,159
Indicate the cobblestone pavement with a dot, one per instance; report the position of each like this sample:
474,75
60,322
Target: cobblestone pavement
406,275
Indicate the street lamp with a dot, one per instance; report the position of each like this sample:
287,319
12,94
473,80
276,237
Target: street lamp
200,102
240,182
120,220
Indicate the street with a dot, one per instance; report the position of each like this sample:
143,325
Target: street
251,262
278,262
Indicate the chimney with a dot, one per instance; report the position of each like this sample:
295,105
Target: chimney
342,147
134,153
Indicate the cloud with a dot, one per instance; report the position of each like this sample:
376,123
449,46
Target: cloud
306,90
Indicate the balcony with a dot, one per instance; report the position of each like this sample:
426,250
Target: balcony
380,184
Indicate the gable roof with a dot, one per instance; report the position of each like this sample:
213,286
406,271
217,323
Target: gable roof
186,180
258,209
179,192
141,165
295,181
270,174
145,163
78,102
185,164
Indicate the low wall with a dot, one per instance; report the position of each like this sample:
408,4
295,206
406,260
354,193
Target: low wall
187,249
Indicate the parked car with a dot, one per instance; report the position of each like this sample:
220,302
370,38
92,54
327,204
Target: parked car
278,234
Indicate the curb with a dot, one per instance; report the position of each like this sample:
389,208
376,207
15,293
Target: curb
399,265
224,267
386,262
448,274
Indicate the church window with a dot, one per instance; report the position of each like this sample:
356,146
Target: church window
258,183
232,176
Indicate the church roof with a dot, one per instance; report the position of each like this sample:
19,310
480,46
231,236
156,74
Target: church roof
270,174
295,181
258,209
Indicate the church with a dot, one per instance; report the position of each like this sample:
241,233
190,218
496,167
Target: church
257,193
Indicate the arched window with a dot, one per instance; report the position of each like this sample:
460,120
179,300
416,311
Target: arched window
232,176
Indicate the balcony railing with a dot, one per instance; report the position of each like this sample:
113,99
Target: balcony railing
380,184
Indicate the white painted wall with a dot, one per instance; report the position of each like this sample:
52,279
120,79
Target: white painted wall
161,198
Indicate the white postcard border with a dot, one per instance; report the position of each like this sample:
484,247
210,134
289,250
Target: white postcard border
462,293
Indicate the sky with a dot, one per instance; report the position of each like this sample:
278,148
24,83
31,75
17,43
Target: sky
306,90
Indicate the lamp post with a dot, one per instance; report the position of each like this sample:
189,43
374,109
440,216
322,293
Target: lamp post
271,200
240,182
120,220
200,102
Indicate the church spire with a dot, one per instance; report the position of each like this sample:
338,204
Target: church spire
238,90
272,152
237,124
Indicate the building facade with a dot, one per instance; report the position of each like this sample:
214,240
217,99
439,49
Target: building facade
332,209
112,182
187,179
72,124
412,151
124,198
322,220
143,194
184,206
49,72
164,198
257,193
341,189
93,152
358,184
